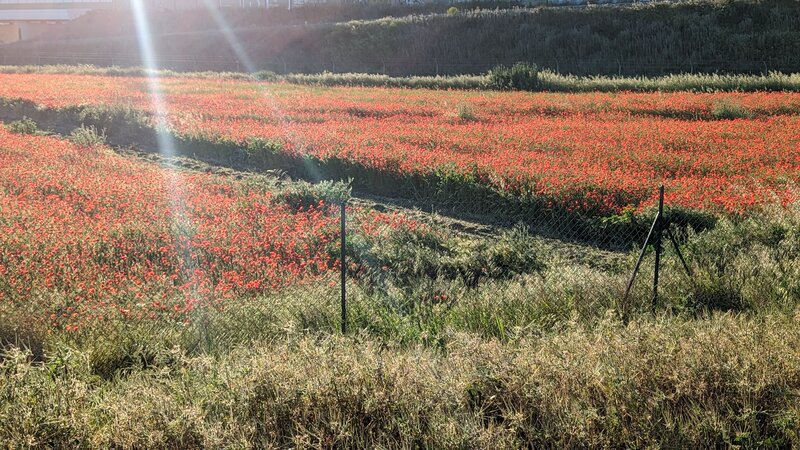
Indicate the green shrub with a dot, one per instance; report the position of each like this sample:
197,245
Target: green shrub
727,111
23,126
266,75
88,136
409,256
465,113
452,11
303,195
751,263
519,77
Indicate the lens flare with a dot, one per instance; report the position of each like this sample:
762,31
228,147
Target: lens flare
181,224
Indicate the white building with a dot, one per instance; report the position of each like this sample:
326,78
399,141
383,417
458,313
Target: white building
25,19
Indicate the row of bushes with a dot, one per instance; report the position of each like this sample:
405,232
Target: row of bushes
519,76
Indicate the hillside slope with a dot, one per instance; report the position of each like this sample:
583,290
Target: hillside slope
732,36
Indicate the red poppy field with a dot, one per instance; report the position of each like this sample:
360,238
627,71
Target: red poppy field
599,153
88,235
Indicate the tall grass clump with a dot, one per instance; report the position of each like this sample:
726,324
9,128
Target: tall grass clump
751,263
465,113
729,111
461,82
518,77
88,136
773,81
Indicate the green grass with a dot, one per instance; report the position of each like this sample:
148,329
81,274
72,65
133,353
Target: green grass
548,81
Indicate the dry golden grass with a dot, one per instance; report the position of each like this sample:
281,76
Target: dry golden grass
726,380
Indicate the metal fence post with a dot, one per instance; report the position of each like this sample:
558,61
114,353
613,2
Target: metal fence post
343,268
658,231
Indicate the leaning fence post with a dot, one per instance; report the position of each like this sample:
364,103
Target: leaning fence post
658,231
343,268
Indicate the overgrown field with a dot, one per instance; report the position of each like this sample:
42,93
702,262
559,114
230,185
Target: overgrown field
164,284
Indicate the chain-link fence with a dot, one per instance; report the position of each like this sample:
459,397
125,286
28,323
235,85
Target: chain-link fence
401,274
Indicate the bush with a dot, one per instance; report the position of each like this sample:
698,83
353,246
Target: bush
302,196
266,75
747,264
413,256
452,11
24,126
87,136
728,111
519,77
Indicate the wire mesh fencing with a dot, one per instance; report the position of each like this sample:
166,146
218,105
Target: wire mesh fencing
414,276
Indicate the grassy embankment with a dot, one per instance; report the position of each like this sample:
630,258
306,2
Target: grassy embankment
652,39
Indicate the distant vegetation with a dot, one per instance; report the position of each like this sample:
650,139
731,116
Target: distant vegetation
499,79
693,37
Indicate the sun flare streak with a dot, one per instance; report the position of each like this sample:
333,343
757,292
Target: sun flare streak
181,223
241,54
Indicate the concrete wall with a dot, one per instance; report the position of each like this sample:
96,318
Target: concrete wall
35,29
9,33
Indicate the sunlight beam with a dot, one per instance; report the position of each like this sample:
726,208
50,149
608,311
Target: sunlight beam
250,67
181,224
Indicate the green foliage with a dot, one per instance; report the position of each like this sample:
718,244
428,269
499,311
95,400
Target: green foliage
259,152
23,126
465,113
728,110
519,77
685,218
452,11
408,256
750,263
88,136
266,75
303,195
